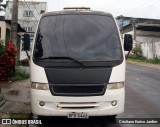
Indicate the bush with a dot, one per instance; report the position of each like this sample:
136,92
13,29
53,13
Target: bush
137,51
7,61
21,74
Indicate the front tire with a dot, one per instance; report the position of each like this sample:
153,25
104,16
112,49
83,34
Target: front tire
112,118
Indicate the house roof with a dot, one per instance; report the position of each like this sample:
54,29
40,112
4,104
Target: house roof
148,27
143,24
19,28
140,19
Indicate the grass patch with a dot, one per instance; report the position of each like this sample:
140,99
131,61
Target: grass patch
19,116
144,60
21,74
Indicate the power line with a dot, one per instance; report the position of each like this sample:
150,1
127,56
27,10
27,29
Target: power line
30,9
28,17
26,6
36,8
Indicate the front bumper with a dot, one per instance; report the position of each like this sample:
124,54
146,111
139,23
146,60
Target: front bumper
93,105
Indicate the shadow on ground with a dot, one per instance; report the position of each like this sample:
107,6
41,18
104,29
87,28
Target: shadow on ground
63,121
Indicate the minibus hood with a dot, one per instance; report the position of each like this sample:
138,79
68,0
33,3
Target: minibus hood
78,75
78,81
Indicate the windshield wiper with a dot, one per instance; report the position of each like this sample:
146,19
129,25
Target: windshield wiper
64,57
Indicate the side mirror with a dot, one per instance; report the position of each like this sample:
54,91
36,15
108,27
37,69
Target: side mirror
27,44
128,42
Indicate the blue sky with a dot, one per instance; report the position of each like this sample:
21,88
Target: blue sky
132,8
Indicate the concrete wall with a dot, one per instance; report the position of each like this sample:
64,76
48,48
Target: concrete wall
4,26
150,43
23,54
150,46
3,30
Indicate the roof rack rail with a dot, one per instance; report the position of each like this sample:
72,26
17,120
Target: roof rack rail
76,8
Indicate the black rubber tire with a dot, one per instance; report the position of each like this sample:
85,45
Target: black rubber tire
112,119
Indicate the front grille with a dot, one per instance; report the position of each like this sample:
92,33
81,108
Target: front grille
80,105
77,90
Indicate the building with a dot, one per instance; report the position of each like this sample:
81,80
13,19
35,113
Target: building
5,31
5,28
29,13
146,33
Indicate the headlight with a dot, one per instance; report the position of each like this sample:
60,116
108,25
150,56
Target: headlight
117,85
40,86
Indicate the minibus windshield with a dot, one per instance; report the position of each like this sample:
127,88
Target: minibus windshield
83,37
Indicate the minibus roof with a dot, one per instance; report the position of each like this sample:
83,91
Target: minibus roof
76,12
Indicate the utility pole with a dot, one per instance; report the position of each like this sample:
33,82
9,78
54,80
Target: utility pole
14,23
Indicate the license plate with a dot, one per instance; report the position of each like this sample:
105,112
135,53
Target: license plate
78,115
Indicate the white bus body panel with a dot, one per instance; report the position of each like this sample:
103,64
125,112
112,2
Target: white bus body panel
53,105
57,105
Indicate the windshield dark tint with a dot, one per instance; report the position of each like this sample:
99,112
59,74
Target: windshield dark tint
82,37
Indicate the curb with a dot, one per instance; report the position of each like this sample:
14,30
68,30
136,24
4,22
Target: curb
146,65
2,100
